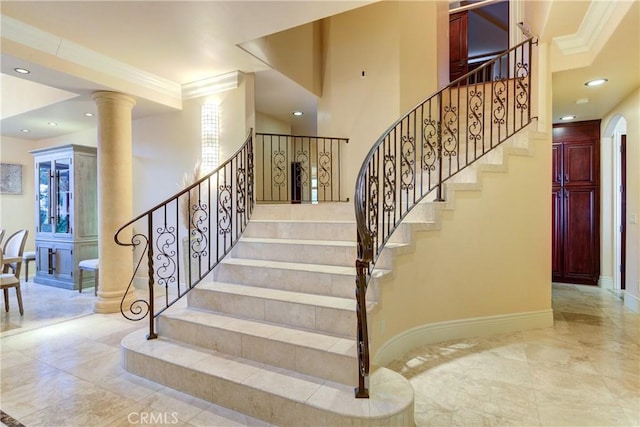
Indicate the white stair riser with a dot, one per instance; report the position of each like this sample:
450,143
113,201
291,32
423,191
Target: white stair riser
288,280
340,231
307,212
320,319
302,253
305,253
334,367
344,231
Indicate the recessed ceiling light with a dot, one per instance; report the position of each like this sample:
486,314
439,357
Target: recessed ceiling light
88,114
21,70
25,130
53,124
297,113
596,82
582,101
565,118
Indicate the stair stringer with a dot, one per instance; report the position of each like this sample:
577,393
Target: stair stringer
427,219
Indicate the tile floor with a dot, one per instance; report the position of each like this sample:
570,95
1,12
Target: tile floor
583,371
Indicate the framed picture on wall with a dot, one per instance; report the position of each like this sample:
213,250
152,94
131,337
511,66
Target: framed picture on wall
10,178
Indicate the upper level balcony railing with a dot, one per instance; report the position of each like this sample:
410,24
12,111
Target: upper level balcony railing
297,169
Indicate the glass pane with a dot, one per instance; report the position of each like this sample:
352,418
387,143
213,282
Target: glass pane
63,196
44,194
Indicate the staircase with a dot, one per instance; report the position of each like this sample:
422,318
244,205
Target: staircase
274,331
271,332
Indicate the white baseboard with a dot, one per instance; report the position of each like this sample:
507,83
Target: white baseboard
401,344
606,282
632,302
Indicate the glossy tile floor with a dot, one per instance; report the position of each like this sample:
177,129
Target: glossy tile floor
583,371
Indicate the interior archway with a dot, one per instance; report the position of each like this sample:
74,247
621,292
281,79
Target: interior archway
612,202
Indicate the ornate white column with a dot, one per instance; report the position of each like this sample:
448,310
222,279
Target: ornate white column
115,205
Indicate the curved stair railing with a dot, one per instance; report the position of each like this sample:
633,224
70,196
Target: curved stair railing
186,236
434,141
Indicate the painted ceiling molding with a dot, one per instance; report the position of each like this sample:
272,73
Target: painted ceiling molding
34,38
591,28
211,85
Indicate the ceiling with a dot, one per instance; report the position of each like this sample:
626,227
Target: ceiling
176,43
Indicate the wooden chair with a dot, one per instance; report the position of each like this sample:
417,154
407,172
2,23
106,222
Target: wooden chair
11,261
89,265
27,257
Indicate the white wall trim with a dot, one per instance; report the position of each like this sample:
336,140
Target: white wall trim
632,302
594,22
49,43
606,282
402,343
211,85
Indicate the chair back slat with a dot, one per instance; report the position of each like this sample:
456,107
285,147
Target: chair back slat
14,247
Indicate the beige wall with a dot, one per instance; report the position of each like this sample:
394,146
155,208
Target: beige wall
267,124
491,257
167,146
296,53
17,211
375,40
629,109
352,106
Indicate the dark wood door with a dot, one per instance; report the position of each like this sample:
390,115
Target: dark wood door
458,45
556,231
575,206
580,261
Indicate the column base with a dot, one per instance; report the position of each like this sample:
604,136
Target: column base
109,302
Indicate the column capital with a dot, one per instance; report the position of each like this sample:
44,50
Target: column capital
100,97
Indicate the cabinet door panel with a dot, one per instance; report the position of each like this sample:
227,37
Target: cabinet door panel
62,201
556,177
556,232
580,257
44,188
579,163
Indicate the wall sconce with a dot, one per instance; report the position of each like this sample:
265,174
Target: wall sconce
210,121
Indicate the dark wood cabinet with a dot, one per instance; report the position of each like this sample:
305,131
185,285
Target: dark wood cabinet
575,203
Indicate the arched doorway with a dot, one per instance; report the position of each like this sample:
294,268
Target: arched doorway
614,148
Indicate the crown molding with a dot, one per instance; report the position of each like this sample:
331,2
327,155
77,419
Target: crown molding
48,43
211,85
595,21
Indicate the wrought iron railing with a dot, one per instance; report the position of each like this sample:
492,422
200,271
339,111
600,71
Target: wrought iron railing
187,235
427,146
297,169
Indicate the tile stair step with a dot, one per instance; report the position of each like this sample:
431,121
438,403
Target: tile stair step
331,280
327,252
313,230
276,396
311,353
294,229
319,313
342,211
